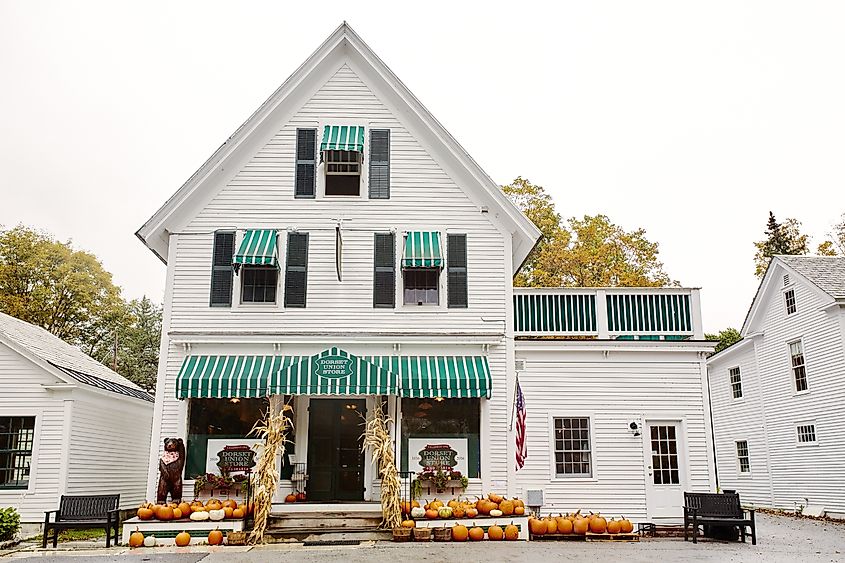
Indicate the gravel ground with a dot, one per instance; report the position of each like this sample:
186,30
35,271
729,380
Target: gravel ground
782,539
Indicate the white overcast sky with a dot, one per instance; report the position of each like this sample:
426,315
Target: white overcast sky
689,119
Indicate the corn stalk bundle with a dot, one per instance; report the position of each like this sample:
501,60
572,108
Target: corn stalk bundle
377,437
273,429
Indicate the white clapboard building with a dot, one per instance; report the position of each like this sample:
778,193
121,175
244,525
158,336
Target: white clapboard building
778,395
68,424
341,248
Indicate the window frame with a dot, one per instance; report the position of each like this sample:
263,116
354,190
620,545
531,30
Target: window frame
241,285
740,457
33,453
735,385
438,285
569,478
793,367
787,292
806,423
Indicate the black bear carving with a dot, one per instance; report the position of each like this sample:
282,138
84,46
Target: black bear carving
170,468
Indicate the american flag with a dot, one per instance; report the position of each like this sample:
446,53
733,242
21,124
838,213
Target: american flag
521,444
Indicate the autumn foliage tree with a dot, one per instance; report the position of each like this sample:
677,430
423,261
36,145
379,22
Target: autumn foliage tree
590,251
68,292
780,238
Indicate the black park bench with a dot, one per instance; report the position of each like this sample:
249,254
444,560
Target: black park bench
717,509
82,512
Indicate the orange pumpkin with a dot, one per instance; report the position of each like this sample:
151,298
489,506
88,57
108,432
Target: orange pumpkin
511,532
495,498
537,526
518,502
185,508
476,534
495,533
238,513
460,533
408,524
625,526
164,513
177,514
551,525
431,514
581,525
290,498
564,525
459,511
471,512
405,507
214,504
183,539
228,512
452,504
136,539
145,513
519,510
507,507
215,537
231,503
435,504
598,525
613,526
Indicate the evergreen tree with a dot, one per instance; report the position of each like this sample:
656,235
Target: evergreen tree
780,238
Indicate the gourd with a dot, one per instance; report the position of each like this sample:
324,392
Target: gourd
537,527
417,512
471,512
511,532
495,498
519,510
183,539
227,510
290,498
177,514
476,534
145,513
495,513
199,516
507,507
581,525
459,511
564,525
445,512
460,533
231,503
551,525
215,537
495,533
625,526
598,525
136,539
431,514
164,513
409,524
613,526
216,515
150,541
238,513
185,508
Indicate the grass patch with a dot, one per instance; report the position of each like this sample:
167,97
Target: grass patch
77,535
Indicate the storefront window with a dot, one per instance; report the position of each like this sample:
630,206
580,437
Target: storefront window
455,422
219,419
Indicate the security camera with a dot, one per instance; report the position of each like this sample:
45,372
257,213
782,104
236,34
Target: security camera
635,428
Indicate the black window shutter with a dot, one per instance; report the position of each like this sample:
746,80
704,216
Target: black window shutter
296,271
380,164
457,271
384,274
306,162
221,269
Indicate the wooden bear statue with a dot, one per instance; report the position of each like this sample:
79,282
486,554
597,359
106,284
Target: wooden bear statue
170,468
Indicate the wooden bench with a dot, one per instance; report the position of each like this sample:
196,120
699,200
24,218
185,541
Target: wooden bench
717,509
81,512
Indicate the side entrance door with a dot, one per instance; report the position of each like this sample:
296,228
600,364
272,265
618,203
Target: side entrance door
335,461
665,473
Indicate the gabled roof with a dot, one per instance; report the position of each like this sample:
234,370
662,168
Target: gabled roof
68,361
342,44
826,274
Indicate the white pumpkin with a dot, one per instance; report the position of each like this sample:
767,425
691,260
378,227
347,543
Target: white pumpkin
417,512
149,541
216,515
495,513
199,516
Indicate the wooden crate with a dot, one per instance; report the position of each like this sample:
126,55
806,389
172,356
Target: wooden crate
559,537
633,536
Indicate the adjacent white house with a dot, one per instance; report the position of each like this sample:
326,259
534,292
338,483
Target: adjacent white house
341,250
68,424
778,395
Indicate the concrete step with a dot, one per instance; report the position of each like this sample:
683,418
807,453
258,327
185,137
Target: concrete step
324,536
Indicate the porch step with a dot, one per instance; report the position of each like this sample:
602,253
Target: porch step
304,520
327,537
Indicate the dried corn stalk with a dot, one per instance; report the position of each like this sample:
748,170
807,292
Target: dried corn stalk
377,437
273,429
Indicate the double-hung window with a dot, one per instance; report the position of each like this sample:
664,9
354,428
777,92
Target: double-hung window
258,284
736,382
342,153
422,261
789,298
799,370
17,435
572,449
806,433
742,458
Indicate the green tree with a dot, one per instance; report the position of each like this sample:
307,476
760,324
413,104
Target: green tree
590,251
780,238
725,337
68,292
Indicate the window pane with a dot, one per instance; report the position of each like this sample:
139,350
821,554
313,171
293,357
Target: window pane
450,418
574,447
17,435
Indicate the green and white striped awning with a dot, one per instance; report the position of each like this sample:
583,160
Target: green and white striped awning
422,250
450,377
343,138
258,247
332,372
223,377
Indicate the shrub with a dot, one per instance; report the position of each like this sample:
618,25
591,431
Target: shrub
10,523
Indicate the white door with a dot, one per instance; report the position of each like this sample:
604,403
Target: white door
665,474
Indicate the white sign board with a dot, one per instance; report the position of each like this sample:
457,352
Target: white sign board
217,444
433,450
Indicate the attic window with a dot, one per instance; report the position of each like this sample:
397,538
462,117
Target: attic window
343,172
785,280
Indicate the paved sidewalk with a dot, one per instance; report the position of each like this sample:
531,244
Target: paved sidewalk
782,540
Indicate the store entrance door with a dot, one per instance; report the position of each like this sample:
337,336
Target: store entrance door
335,460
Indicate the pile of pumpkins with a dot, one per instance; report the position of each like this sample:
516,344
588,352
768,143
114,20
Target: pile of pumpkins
494,533
214,510
182,539
492,505
578,524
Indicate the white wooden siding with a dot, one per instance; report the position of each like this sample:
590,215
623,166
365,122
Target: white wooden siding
799,475
625,386
109,447
423,197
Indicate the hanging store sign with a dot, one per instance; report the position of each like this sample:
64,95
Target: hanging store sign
435,453
333,366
